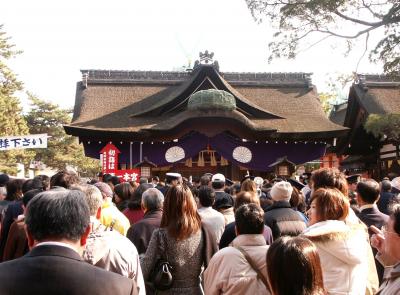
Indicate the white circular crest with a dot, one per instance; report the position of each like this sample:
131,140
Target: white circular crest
242,154
174,154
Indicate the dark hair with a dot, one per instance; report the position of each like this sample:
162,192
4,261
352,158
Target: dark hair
235,188
249,219
4,178
217,185
368,191
31,184
180,216
124,191
58,215
206,196
107,177
246,198
386,185
395,216
205,180
115,180
64,179
136,197
294,267
14,189
29,195
329,178
330,204
297,200
143,180
45,180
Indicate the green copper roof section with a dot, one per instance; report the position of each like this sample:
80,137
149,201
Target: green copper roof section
212,99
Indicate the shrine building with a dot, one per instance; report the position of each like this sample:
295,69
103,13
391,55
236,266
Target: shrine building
202,120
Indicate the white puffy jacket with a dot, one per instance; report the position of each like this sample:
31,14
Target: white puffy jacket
343,251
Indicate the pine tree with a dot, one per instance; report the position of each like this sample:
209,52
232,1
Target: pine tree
63,149
12,121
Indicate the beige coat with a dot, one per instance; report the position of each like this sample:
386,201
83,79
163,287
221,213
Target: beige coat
230,273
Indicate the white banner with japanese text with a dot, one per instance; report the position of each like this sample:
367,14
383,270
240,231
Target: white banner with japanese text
31,141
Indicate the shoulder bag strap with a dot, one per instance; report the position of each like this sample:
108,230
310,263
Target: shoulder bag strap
253,266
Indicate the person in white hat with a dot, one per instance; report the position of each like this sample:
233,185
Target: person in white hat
171,179
280,217
218,184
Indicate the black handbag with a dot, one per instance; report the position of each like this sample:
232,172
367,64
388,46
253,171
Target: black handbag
161,277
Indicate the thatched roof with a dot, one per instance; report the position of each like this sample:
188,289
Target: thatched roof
378,94
143,105
369,94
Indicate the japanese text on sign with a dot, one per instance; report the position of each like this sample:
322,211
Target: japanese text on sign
23,142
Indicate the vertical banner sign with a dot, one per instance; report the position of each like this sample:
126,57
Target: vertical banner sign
109,164
32,141
109,159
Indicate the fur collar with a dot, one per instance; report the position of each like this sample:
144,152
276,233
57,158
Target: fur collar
330,230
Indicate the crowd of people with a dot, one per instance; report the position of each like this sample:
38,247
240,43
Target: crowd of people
321,234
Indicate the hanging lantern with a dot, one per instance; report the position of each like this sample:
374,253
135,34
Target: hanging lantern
145,167
283,167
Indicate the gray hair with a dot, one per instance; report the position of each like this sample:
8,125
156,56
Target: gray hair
152,199
58,214
93,197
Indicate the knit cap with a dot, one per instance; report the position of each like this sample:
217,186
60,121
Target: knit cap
281,191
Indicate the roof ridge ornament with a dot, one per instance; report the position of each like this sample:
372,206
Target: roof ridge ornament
85,77
205,59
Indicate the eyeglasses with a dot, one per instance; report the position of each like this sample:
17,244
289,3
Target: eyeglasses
385,230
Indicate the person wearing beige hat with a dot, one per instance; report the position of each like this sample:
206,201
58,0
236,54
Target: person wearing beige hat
280,217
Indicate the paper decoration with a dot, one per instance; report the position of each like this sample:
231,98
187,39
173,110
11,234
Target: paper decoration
242,154
174,154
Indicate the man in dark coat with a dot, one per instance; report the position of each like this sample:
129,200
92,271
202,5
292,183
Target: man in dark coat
57,226
140,232
280,217
367,196
218,184
386,197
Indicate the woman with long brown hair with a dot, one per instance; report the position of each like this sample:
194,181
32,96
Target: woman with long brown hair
181,241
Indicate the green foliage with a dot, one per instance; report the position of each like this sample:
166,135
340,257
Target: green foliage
384,126
11,120
46,117
327,100
296,22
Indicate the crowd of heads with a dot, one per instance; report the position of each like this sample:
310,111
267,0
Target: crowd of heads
60,207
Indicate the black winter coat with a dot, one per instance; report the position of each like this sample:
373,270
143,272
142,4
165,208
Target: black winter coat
283,220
